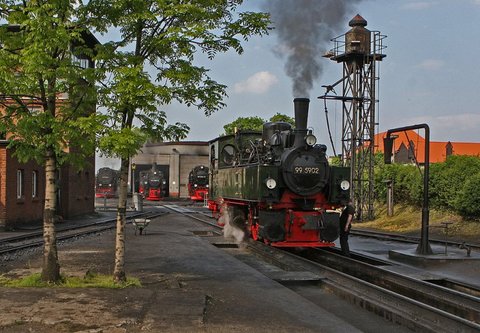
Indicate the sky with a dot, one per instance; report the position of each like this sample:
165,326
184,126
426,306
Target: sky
429,75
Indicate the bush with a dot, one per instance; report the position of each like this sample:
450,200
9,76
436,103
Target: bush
453,185
407,183
447,180
468,199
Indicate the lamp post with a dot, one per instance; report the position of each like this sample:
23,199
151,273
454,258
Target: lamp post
424,246
134,166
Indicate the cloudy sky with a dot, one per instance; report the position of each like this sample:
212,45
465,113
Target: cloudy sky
429,74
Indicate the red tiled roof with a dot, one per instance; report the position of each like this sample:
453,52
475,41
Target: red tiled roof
403,137
466,148
438,149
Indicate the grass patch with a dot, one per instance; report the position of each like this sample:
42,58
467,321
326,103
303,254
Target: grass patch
88,281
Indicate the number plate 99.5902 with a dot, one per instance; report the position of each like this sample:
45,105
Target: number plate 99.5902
301,170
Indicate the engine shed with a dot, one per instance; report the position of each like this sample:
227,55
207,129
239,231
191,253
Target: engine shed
174,159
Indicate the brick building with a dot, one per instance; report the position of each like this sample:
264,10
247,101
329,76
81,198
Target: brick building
22,190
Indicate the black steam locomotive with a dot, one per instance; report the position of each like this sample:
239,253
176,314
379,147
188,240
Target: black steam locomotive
106,183
277,186
152,184
198,183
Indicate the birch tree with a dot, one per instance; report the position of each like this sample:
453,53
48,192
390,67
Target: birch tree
152,64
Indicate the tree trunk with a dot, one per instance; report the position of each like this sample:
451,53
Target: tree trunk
51,266
119,270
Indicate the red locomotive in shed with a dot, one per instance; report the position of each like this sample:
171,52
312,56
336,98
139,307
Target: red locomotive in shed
152,184
198,183
106,183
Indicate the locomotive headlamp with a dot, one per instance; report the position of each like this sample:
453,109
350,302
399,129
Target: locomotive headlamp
195,185
206,186
310,139
270,183
345,185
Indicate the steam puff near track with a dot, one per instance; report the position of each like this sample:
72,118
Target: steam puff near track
230,230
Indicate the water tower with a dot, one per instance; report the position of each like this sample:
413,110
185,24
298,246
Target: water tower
359,50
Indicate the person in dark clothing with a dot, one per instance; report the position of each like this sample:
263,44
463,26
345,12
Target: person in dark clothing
345,225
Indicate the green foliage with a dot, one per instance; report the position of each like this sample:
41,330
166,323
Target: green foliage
151,63
454,185
122,143
88,281
448,179
33,280
278,117
407,182
468,199
37,67
335,161
253,123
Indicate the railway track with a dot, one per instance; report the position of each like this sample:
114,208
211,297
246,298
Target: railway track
34,239
419,305
191,213
413,239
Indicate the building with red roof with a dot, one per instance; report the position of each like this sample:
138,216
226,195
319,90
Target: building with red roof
409,145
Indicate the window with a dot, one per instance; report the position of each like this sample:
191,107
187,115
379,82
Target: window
20,185
34,184
81,62
35,109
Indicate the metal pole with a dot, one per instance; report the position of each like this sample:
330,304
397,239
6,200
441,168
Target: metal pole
133,166
389,197
424,246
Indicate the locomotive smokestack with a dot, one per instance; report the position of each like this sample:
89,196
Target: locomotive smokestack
301,117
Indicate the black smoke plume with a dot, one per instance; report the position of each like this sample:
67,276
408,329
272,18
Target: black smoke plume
304,29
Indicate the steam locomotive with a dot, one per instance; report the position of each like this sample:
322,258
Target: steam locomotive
198,183
277,186
106,183
152,184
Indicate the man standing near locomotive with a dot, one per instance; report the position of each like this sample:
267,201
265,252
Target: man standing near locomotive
345,225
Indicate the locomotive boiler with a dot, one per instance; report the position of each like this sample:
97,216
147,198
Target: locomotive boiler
198,183
152,184
277,186
106,183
